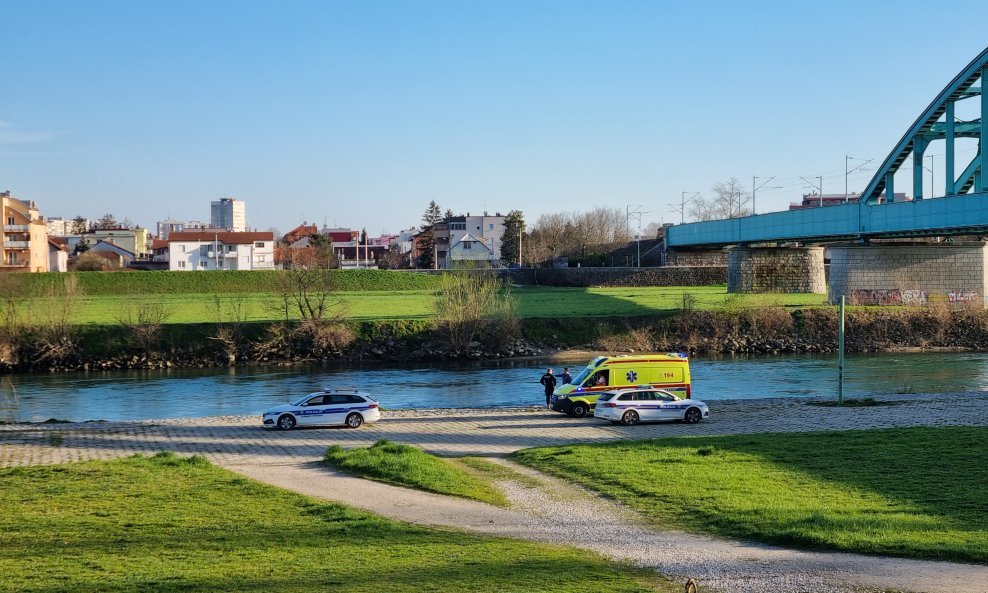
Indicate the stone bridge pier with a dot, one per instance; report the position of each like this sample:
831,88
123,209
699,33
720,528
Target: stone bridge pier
909,274
776,269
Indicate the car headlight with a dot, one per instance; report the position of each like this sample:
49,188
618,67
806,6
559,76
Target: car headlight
561,396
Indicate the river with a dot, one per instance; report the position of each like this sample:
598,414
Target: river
137,395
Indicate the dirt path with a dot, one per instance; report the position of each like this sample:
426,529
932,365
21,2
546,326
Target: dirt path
593,523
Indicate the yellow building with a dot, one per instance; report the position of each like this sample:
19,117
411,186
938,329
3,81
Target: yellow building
23,238
134,240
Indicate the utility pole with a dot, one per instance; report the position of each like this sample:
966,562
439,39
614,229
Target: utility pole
847,172
637,212
682,205
754,189
818,187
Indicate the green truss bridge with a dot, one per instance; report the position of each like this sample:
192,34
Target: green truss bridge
962,209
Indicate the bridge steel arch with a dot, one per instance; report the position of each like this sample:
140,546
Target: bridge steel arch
963,211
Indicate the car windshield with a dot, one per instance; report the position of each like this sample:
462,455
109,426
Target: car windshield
605,396
578,380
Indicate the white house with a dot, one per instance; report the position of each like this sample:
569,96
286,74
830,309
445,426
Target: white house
220,250
470,252
58,257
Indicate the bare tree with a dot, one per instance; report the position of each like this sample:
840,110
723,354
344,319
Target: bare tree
577,234
466,304
144,317
305,287
231,315
52,316
12,326
730,200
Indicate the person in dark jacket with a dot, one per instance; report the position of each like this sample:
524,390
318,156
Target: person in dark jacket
566,377
549,382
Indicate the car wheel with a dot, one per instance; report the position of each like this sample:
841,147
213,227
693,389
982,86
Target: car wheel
630,418
579,410
692,416
286,422
354,420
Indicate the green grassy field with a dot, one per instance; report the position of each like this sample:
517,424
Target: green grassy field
166,524
915,492
533,302
404,465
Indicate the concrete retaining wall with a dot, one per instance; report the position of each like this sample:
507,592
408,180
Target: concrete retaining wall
587,277
909,274
776,269
697,258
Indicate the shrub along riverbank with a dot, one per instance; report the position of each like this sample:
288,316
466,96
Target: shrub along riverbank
770,330
101,320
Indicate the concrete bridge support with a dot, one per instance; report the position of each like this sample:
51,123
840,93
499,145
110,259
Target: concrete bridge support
776,269
909,274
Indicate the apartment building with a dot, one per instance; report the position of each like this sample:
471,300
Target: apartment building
24,236
220,250
228,214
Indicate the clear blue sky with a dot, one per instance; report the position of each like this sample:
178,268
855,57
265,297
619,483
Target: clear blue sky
360,112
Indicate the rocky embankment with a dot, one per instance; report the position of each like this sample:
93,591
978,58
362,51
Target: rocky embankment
748,331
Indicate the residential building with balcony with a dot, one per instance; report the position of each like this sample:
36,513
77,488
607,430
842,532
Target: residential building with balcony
220,250
23,236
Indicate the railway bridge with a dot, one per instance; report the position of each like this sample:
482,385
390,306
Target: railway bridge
872,244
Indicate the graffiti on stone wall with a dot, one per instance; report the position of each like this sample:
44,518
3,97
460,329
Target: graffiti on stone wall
910,297
962,296
877,296
914,297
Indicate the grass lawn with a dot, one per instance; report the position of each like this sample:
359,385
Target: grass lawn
171,524
404,465
917,492
417,304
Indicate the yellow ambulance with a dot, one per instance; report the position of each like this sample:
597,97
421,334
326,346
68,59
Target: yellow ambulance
605,373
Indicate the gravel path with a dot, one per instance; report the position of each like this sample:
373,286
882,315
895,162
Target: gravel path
716,564
289,460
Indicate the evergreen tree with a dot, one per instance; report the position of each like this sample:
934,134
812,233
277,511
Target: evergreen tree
363,237
514,227
427,238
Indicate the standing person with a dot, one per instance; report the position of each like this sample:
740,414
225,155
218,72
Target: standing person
567,378
549,382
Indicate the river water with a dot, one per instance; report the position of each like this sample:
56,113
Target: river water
135,395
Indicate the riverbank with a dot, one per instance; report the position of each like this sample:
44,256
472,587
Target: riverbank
731,330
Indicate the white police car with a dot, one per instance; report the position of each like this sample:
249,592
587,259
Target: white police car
647,404
347,407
